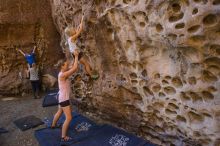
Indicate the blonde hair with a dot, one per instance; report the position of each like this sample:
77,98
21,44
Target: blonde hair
60,63
69,31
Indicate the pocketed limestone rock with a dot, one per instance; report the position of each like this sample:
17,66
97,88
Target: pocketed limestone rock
158,63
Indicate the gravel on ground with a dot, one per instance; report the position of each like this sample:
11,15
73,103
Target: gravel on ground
18,107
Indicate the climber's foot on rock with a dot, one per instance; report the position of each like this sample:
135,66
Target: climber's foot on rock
95,75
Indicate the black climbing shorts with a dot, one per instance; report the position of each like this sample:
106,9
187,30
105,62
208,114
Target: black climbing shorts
64,103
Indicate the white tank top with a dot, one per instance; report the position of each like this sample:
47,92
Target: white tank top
64,88
72,46
34,76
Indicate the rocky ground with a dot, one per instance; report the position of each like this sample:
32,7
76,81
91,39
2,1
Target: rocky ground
17,108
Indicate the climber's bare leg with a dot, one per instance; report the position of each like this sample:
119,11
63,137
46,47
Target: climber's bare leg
86,65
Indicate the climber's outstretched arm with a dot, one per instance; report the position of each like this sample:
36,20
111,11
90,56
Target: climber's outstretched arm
73,69
19,50
79,30
34,49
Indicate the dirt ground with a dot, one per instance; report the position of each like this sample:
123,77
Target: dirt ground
18,108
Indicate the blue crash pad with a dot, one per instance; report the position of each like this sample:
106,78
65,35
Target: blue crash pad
48,137
3,130
28,122
60,122
50,99
87,133
111,136
80,128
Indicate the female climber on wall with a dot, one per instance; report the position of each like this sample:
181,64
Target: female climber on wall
63,98
30,58
72,34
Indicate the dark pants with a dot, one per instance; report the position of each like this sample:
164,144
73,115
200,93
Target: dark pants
35,87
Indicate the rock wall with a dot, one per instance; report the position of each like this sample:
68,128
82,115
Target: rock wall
24,23
159,65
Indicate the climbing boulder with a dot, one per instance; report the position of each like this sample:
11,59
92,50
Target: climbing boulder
159,65
48,81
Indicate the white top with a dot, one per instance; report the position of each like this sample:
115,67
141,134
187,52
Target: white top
72,45
34,74
64,88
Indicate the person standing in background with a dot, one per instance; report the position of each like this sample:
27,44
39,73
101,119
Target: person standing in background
34,78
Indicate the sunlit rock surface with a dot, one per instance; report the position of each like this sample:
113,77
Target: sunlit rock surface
159,65
159,61
23,23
